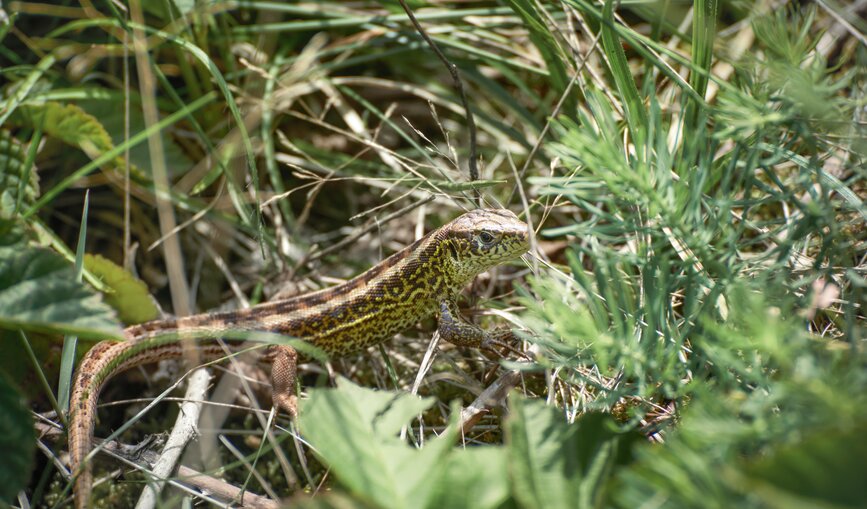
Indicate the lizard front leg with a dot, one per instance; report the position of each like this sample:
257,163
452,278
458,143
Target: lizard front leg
456,330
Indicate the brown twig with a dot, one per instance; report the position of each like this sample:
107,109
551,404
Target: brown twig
224,490
494,395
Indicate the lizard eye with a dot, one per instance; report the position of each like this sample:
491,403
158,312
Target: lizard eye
486,237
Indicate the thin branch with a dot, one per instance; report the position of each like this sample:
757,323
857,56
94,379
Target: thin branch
186,428
459,86
493,396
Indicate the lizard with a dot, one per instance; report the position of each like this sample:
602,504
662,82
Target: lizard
420,281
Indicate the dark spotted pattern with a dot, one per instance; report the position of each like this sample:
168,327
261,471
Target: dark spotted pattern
405,288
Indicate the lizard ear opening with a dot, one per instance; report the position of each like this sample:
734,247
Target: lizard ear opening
453,250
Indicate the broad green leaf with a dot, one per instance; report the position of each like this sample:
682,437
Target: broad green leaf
555,464
826,468
17,442
380,413
474,477
38,292
354,431
129,295
13,184
12,233
72,125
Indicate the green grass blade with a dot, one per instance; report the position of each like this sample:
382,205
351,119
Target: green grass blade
636,114
703,36
552,54
70,343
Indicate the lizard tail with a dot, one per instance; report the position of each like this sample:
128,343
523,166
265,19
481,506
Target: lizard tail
109,358
82,416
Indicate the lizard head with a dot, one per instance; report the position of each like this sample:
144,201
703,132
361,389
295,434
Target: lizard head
483,238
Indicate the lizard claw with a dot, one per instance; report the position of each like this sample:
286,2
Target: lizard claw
501,337
287,403
497,338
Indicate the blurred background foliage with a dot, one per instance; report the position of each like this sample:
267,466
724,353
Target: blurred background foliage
693,173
